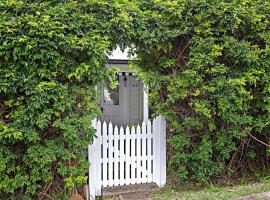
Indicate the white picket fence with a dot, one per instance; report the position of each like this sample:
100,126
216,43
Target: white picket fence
127,156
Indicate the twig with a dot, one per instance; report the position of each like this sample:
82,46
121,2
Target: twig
46,188
46,195
260,141
185,47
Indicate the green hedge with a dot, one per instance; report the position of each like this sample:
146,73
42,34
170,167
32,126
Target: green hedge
52,56
207,65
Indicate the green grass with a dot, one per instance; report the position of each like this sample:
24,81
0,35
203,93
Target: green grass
212,192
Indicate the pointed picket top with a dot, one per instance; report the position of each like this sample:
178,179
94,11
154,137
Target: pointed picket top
127,130
149,127
110,128
104,128
143,123
98,122
116,132
132,129
121,130
110,124
138,129
144,128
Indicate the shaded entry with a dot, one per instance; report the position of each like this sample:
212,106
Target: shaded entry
122,105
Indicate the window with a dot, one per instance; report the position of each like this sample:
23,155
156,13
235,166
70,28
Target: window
111,96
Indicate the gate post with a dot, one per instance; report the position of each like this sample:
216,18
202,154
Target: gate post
162,151
92,168
159,134
94,158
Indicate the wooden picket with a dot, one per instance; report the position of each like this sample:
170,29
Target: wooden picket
133,155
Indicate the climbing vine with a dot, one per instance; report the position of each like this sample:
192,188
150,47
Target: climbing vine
52,56
206,64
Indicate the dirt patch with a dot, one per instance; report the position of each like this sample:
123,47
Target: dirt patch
260,196
136,196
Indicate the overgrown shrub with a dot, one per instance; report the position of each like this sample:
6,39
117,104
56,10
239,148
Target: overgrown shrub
207,65
52,55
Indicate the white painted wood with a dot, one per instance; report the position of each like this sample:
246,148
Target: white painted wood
97,158
162,148
127,156
133,157
138,155
122,156
156,150
144,156
91,158
116,156
128,160
92,183
149,152
105,154
111,154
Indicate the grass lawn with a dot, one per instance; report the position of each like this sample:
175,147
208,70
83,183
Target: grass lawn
212,192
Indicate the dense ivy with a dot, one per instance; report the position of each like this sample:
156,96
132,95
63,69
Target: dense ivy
52,56
207,66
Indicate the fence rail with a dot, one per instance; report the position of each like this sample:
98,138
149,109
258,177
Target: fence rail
123,156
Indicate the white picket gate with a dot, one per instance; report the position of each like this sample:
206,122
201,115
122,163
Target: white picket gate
127,156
